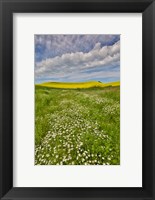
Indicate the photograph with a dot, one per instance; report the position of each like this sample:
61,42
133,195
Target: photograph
77,99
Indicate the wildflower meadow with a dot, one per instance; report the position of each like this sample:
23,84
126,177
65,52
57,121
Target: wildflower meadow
77,126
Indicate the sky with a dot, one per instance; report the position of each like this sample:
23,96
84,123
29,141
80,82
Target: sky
77,58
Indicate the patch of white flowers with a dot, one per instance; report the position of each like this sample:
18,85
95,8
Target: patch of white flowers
72,135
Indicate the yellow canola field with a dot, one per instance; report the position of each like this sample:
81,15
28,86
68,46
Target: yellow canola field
78,85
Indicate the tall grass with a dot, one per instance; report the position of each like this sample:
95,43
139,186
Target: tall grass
77,127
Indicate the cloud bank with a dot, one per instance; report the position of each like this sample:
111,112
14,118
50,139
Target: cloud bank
98,62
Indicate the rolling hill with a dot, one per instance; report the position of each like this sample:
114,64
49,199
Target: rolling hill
78,85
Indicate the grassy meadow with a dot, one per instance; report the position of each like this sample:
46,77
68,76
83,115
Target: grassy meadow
77,126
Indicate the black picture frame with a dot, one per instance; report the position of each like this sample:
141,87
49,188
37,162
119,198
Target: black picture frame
7,8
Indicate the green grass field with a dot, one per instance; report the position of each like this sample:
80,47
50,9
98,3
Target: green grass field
77,126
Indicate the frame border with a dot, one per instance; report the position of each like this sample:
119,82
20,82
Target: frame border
7,8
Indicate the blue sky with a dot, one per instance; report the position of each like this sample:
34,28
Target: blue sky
77,58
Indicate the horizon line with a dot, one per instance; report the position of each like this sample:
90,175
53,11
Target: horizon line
77,81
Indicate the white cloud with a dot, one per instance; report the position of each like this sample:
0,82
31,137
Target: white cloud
97,75
61,44
75,63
